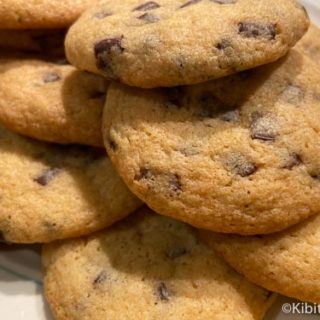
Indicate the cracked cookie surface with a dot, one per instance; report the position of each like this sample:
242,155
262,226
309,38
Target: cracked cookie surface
52,101
50,192
235,155
146,265
167,43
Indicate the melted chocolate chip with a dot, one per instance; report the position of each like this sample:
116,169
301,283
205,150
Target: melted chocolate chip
263,127
224,1
257,30
163,292
149,17
189,3
102,14
150,5
295,160
293,94
51,77
101,277
176,251
47,176
104,51
241,165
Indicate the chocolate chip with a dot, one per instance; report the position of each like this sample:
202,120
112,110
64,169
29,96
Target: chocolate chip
241,165
47,176
293,94
101,277
294,161
189,3
51,77
150,5
257,30
224,1
149,17
104,51
263,127
230,116
154,178
102,14
210,106
163,292
176,251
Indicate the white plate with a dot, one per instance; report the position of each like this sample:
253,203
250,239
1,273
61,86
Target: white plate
20,272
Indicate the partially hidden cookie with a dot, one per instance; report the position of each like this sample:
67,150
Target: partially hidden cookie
235,155
146,267
166,43
44,14
50,192
52,101
311,43
49,42
287,262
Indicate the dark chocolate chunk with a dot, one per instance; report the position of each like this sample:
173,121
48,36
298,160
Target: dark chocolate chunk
257,30
47,176
104,51
102,14
150,5
241,165
51,77
263,127
149,17
101,277
189,3
163,292
295,160
176,251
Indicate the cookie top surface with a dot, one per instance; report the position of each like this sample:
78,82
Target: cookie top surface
287,262
34,14
51,192
48,42
52,102
235,155
311,43
149,266
167,43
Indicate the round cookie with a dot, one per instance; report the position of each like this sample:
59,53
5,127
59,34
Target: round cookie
44,14
149,266
49,42
286,262
166,43
51,192
52,102
235,155
311,43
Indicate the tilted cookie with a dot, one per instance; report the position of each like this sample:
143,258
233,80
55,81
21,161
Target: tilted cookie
51,192
311,43
287,262
52,102
235,155
44,14
178,42
49,42
146,267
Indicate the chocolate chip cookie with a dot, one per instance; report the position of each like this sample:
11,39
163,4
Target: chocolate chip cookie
44,14
234,155
50,192
146,267
287,262
178,42
311,43
52,101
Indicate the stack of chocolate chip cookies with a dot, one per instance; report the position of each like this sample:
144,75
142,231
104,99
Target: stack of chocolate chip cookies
196,123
